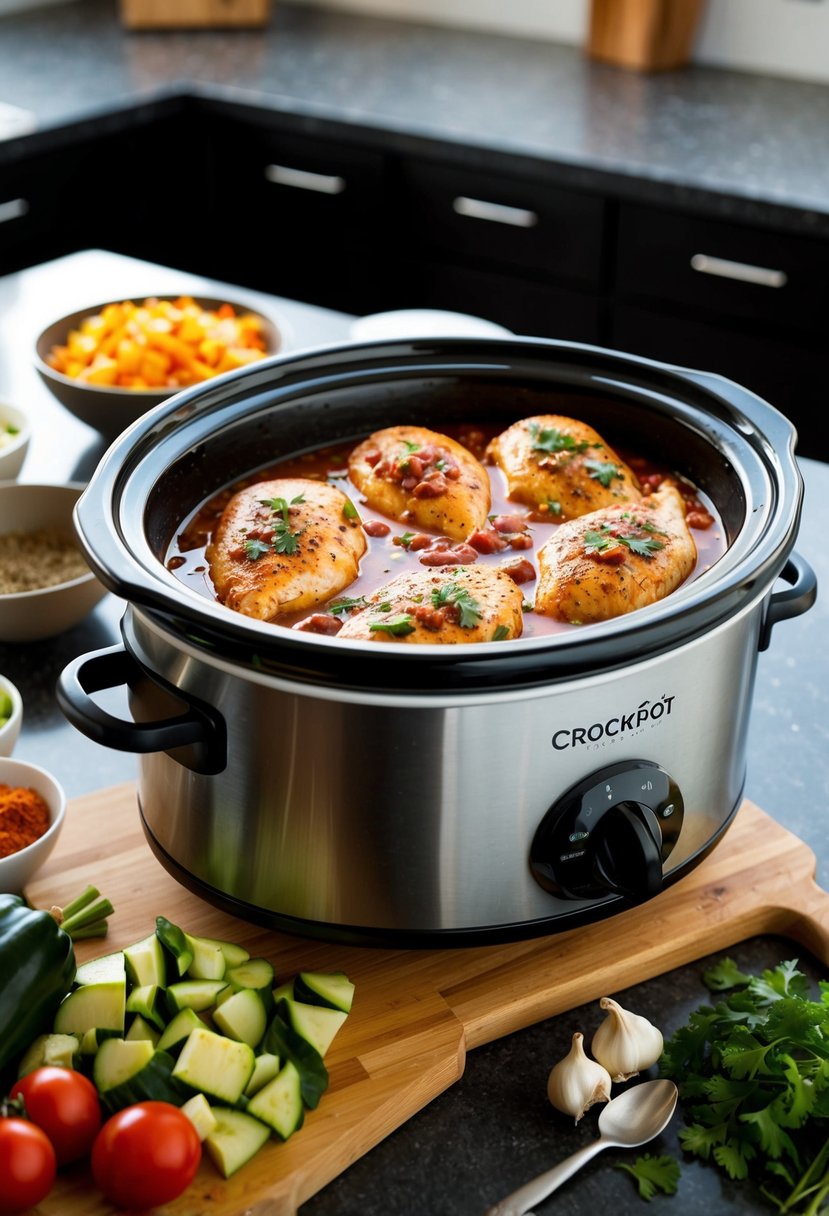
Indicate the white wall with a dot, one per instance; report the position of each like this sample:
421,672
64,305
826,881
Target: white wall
780,37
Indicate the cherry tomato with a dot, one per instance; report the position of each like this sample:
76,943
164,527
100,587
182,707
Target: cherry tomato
64,1104
27,1165
145,1155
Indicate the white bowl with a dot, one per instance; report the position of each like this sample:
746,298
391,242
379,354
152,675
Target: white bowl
27,616
423,323
10,728
19,868
14,441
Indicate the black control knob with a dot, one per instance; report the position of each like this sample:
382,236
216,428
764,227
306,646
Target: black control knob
610,834
628,852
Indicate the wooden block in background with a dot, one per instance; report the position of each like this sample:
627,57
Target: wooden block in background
193,14
647,35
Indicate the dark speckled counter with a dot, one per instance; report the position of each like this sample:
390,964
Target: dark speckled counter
732,144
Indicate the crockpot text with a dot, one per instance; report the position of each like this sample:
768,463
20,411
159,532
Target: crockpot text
648,711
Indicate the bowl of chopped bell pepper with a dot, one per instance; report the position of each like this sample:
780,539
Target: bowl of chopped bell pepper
110,363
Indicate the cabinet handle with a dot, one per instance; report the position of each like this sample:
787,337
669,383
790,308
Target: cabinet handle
496,213
303,179
743,272
13,209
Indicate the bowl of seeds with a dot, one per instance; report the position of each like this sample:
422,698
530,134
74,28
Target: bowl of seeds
46,585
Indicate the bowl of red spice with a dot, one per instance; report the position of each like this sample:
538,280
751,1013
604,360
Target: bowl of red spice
46,585
32,809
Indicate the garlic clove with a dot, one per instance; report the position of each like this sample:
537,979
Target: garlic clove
577,1082
625,1042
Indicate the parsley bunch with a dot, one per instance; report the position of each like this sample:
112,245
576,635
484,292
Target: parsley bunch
753,1072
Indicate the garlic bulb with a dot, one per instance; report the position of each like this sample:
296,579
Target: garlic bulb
625,1043
576,1082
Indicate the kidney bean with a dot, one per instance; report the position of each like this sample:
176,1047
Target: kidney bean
376,527
487,542
509,523
520,572
522,541
433,487
320,622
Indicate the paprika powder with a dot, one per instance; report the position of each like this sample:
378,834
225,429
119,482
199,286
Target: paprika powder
24,817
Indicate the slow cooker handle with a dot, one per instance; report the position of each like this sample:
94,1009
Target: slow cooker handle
200,730
793,602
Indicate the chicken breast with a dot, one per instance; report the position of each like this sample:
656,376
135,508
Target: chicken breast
283,546
440,606
419,476
561,466
615,560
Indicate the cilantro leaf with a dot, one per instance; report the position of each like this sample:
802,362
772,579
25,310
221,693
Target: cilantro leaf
552,440
501,633
397,626
653,1174
347,605
603,471
254,549
469,610
285,541
643,547
723,975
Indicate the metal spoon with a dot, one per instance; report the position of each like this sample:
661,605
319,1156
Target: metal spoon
632,1119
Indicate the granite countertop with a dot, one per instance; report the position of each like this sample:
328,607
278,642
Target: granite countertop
746,146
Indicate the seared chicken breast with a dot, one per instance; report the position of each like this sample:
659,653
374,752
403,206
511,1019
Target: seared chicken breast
441,606
612,561
561,466
420,476
283,546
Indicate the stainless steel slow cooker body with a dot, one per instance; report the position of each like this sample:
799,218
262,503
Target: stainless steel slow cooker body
437,794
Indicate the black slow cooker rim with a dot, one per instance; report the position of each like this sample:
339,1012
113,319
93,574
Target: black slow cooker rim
737,424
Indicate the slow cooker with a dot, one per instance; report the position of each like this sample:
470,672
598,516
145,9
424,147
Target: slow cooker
436,794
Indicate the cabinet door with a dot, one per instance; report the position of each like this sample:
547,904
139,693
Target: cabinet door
789,376
521,305
298,216
499,221
743,273
42,208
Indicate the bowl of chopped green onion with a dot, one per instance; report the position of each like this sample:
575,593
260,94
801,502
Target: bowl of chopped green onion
14,441
11,716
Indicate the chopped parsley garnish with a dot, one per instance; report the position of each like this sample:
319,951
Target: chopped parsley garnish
280,506
469,610
254,549
550,439
553,506
405,540
411,447
284,540
603,471
349,510
653,1174
501,632
347,605
397,626
602,539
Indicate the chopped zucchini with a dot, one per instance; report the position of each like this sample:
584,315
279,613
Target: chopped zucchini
286,989
100,970
140,1028
279,1103
283,1041
174,941
194,994
101,1005
148,1000
215,1065
197,1109
208,960
317,1024
333,989
234,1140
242,1016
94,1037
57,1049
116,1060
265,1069
154,1082
179,1029
256,973
234,955
145,962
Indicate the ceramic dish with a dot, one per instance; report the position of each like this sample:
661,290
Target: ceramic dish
19,868
423,323
108,409
14,441
27,616
11,716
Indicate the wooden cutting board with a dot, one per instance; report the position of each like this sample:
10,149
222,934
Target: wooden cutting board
416,1013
